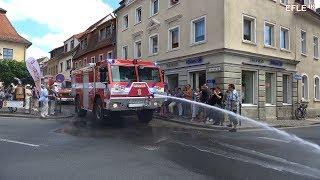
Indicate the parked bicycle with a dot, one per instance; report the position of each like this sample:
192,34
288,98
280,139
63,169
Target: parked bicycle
301,111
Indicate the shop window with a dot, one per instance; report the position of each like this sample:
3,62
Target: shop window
270,88
249,87
317,88
287,89
305,88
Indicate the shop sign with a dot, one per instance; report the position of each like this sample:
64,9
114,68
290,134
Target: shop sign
297,77
171,65
211,83
215,69
276,63
196,60
259,61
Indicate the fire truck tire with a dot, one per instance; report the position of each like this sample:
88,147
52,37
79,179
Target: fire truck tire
80,112
145,116
98,115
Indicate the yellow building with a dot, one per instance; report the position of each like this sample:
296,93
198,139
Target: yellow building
12,45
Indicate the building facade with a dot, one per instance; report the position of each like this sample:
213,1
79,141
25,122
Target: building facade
97,43
252,44
52,66
12,45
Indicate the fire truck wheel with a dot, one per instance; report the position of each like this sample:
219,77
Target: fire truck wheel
98,111
145,116
80,112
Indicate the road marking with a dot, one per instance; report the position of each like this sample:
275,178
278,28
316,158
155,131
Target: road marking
18,142
151,148
272,139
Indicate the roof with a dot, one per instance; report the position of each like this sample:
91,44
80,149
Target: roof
77,36
8,32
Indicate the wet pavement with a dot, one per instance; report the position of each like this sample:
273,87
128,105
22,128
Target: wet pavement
161,150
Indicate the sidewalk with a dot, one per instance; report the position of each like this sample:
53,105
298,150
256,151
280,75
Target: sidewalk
244,124
67,111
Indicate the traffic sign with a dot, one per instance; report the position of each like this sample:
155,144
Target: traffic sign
60,78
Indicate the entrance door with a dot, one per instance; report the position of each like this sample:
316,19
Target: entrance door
197,79
173,81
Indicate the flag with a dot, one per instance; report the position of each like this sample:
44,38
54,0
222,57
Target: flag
34,70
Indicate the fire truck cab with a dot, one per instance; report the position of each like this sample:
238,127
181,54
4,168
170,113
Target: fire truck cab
118,86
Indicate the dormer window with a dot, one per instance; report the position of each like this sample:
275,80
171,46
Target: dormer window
71,44
66,48
84,43
102,33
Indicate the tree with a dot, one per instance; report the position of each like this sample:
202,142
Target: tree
9,69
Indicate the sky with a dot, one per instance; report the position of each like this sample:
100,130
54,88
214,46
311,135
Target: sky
48,23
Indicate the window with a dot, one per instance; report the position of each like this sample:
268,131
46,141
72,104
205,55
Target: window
125,52
316,47
72,44
108,31
7,54
249,29
100,57
305,88
109,55
270,88
317,88
199,30
68,64
61,66
269,34
125,22
123,73
84,62
174,38
138,15
93,60
84,43
173,2
102,33
154,44
287,89
154,7
66,48
285,2
137,49
284,38
147,74
249,87
303,42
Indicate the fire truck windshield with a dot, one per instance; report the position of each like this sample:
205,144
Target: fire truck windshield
123,73
148,74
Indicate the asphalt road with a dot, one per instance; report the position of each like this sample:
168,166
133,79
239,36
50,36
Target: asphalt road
58,149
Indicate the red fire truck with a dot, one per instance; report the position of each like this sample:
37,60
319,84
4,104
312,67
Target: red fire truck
118,87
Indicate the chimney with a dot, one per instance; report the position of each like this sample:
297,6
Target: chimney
2,11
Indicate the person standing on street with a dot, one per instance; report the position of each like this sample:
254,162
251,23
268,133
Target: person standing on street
44,101
53,95
233,102
28,96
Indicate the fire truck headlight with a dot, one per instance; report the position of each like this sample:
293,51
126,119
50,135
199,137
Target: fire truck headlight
115,105
155,104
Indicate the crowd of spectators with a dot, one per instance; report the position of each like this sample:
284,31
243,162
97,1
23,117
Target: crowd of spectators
213,105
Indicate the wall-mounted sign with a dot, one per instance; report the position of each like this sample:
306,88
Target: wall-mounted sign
276,63
215,69
211,83
260,61
297,77
196,60
173,64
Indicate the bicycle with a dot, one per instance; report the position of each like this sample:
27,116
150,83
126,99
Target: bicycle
301,111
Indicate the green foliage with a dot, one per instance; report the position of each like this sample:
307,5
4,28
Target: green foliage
11,69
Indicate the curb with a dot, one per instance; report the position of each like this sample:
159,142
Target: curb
35,117
226,128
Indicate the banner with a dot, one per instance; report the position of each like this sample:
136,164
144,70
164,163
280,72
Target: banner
34,70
